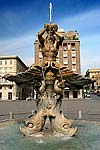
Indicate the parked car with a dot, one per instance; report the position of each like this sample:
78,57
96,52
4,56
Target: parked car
29,98
88,95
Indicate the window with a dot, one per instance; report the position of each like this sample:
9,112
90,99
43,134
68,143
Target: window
40,55
5,62
65,46
65,61
73,44
75,94
64,53
73,53
9,95
66,94
0,62
73,60
10,61
73,67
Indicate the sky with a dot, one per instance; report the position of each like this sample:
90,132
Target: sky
20,20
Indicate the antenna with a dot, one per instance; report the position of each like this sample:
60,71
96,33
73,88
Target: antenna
50,6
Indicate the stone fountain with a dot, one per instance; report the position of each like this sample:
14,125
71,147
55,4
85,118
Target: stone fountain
49,79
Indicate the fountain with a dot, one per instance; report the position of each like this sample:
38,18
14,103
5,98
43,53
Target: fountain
48,127
49,79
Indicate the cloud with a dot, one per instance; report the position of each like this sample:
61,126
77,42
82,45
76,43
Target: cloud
21,46
88,26
16,43
90,53
86,20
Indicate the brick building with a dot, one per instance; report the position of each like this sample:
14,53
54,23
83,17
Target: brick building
68,55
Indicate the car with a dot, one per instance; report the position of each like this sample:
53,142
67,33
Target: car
88,95
29,98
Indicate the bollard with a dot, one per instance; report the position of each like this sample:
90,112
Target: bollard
11,115
80,114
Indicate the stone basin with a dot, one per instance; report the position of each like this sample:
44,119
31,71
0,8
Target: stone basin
87,138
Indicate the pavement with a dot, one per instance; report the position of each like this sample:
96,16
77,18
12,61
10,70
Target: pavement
94,97
86,109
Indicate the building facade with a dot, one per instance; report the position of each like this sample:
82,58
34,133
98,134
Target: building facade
9,90
94,73
68,55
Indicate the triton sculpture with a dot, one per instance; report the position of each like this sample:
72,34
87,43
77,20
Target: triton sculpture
49,79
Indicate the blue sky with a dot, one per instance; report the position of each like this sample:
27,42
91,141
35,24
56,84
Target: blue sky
20,20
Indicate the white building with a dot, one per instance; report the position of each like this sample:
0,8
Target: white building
9,90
